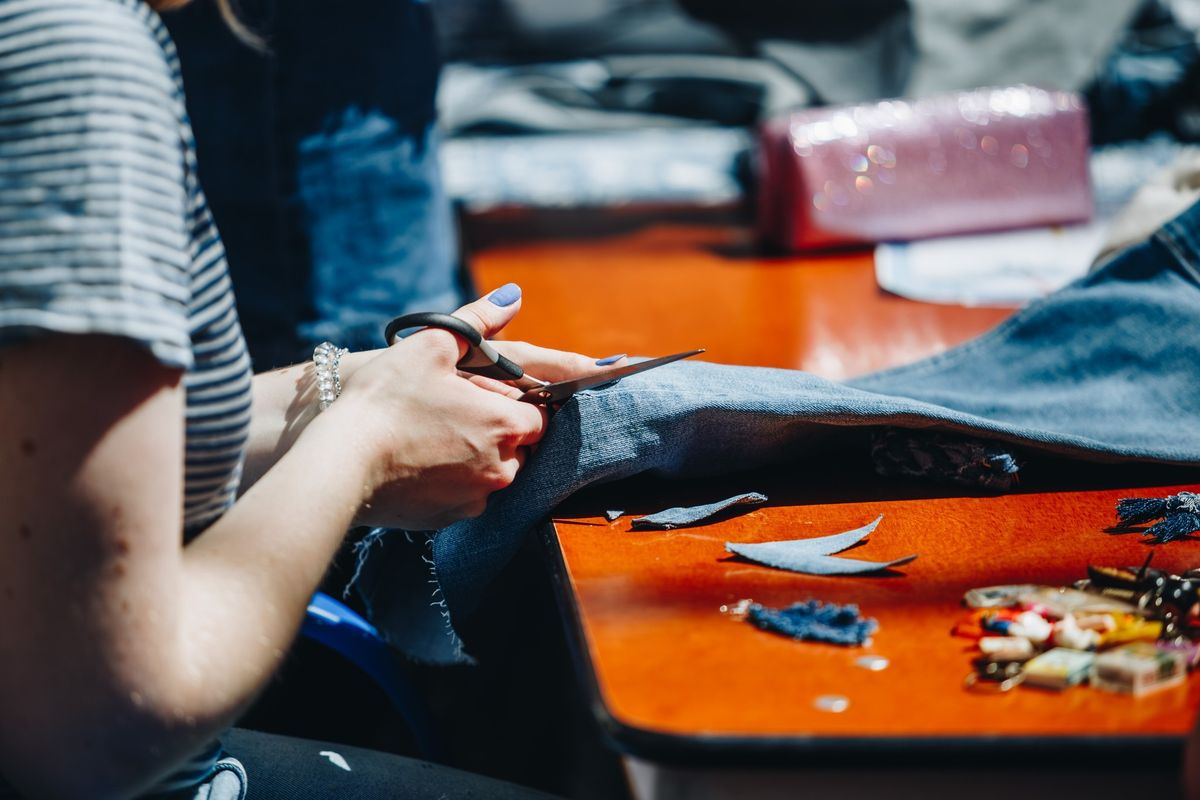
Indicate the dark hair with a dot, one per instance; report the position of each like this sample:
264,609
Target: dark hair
228,13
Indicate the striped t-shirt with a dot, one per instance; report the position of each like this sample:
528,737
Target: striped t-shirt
104,228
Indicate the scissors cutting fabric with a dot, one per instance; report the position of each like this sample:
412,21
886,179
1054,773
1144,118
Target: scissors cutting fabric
483,359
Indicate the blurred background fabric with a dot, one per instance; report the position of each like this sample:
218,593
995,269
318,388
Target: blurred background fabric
332,161
531,75
320,161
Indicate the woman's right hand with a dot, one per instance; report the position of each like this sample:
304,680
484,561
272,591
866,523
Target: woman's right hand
438,443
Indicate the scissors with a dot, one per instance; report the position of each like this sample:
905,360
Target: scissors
483,359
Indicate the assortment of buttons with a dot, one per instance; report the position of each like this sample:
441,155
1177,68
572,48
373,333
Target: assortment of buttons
1121,629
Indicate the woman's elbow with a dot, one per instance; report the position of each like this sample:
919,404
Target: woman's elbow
118,749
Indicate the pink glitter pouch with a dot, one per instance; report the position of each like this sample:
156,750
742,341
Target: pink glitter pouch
897,170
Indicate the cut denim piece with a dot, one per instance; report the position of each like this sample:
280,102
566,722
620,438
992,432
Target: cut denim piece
1180,515
812,621
817,546
947,459
814,556
832,565
1104,369
679,517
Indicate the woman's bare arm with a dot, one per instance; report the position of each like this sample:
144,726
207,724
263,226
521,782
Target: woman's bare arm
124,651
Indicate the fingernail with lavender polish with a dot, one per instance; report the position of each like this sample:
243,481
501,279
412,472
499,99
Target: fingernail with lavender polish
604,362
506,295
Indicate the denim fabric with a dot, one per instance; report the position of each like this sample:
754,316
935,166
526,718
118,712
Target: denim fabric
380,234
1179,515
812,621
814,556
680,517
1105,369
779,558
817,546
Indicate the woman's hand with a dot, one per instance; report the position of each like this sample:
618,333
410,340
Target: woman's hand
442,442
555,365
539,362
438,444
438,441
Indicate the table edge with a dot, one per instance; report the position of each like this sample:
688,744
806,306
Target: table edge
1096,752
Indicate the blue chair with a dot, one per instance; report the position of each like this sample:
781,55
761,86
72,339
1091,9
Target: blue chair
340,628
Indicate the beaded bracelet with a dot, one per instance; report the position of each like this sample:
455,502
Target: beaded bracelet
326,359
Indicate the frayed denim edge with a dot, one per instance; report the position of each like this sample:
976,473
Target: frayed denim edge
362,549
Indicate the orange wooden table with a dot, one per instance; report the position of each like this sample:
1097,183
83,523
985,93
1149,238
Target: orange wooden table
676,680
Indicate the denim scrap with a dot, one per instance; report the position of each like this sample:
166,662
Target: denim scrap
682,516
945,459
1179,515
813,621
1105,369
814,556
613,514
817,546
379,229
825,565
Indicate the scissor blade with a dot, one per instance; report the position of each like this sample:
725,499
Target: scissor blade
557,392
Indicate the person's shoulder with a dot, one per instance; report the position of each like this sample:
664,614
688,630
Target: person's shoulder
103,31
73,55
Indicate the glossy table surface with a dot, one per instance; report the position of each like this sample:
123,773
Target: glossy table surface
669,287
666,663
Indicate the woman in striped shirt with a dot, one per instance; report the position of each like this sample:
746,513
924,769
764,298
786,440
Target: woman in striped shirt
164,514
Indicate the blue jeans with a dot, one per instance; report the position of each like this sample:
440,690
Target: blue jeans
1106,369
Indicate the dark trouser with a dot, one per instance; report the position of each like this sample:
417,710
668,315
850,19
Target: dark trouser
284,768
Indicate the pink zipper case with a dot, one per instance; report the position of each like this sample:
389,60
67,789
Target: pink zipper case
897,170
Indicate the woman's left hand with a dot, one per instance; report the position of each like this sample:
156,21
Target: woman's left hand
555,365
539,362
285,400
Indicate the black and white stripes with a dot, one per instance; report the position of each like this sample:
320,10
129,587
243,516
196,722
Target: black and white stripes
104,228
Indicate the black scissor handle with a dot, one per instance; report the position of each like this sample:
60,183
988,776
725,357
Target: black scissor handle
481,357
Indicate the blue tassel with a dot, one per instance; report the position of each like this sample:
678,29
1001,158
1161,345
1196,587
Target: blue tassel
1175,526
1180,515
814,622
1136,510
